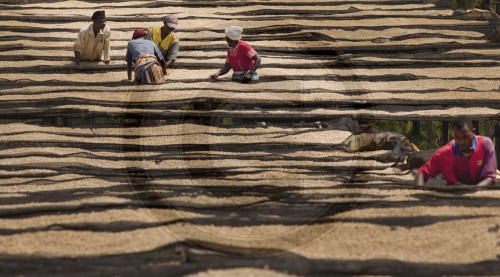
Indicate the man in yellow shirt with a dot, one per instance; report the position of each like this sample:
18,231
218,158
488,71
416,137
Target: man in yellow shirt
166,39
92,43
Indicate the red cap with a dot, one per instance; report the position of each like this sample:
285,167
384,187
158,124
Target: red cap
138,33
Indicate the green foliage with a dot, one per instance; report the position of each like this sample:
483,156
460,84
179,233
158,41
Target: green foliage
469,4
430,134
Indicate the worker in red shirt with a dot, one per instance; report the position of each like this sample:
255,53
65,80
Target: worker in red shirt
467,159
241,58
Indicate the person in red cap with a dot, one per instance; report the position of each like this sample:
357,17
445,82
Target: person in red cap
165,38
149,65
92,43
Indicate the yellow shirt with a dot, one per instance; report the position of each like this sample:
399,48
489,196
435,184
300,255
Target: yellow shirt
168,46
92,47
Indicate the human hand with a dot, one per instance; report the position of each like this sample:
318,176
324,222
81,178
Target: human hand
214,76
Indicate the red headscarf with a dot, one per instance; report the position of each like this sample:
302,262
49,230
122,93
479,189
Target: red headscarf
138,33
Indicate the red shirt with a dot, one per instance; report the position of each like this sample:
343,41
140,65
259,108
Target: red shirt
240,57
454,167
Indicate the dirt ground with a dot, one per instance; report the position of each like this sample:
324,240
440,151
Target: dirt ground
226,179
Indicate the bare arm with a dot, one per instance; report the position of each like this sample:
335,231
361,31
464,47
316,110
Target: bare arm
129,70
486,182
78,46
224,69
161,59
171,54
163,67
419,180
168,63
256,64
257,60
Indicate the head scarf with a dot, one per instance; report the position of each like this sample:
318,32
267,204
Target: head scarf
171,21
99,15
138,33
234,32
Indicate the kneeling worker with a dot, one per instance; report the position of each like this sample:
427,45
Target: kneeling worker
92,43
241,57
147,58
468,159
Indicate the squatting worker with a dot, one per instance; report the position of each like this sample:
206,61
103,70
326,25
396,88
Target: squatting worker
147,58
165,38
92,43
467,159
241,58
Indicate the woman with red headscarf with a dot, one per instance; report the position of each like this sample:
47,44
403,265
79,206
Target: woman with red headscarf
147,58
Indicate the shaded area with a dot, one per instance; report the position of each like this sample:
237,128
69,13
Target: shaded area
198,257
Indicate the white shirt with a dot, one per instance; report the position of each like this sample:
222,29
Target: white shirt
92,47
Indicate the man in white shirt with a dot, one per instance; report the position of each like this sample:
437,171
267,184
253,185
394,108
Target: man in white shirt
92,43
